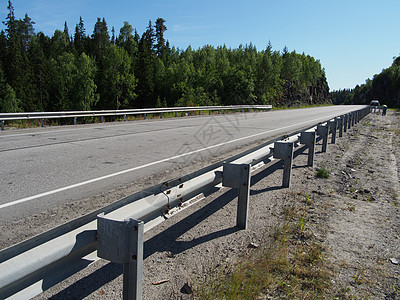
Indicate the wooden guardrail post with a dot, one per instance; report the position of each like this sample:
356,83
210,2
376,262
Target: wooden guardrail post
323,131
284,151
309,138
122,242
238,176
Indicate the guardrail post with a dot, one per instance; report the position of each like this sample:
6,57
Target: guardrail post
160,115
238,176
102,119
42,122
323,131
345,123
340,125
2,125
176,114
284,151
144,116
308,138
122,242
75,120
349,121
124,118
349,116
353,119
333,126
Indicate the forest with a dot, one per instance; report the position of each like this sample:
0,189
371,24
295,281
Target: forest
384,87
74,70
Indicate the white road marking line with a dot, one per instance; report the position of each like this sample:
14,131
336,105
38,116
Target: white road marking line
146,165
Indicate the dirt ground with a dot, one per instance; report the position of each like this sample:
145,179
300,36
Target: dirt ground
354,214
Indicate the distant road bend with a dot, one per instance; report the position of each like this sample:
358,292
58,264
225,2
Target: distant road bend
46,167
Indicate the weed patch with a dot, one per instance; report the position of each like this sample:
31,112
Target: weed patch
291,265
323,173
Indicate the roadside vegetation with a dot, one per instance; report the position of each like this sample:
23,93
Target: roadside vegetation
107,68
291,264
384,87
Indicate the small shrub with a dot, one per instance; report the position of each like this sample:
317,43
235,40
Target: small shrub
322,173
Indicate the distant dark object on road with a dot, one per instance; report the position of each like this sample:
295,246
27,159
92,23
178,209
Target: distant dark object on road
374,103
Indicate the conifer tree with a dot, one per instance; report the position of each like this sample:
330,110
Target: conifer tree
80,37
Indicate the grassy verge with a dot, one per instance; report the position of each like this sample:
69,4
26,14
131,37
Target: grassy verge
291,265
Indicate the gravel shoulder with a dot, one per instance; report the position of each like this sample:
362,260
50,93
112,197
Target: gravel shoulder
354,214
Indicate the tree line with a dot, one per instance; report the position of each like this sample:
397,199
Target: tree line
384,87
78,71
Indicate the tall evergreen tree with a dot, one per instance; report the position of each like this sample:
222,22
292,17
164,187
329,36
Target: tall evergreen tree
161,50
66,33
80,37
100,38
145,69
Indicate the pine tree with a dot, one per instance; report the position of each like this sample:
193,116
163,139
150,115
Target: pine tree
80,37
66,33
100,38
145,69
160,45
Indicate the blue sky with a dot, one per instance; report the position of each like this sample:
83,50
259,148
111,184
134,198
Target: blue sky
353,39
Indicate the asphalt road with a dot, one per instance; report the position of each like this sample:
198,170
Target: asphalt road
45,167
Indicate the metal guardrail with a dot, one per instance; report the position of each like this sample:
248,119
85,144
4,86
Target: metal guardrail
124,112
374,109
32,266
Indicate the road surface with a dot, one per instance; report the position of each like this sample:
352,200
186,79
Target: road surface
45,167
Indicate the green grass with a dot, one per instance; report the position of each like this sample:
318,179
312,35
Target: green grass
291,265
299,106
322,173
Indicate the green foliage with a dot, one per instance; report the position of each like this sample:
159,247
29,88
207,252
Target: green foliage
323,173
96,71
9,101
384,86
